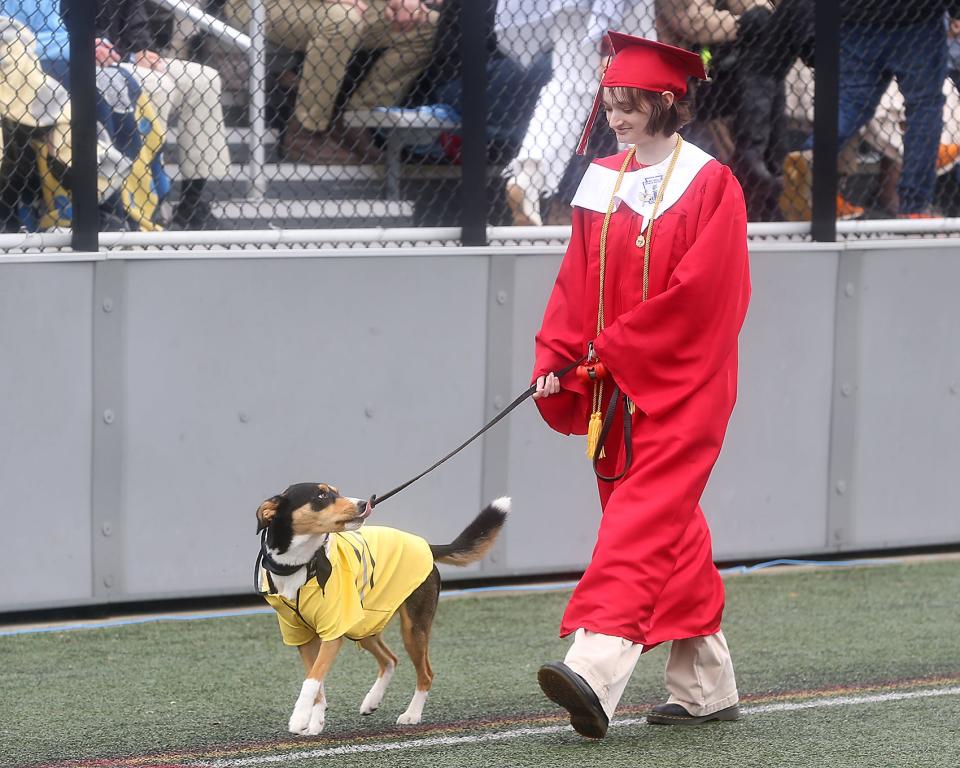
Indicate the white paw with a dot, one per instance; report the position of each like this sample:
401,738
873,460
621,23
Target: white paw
317,719
409,718
370,704
299,720
415,710
374,698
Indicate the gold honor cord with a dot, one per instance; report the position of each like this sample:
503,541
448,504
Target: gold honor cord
596,418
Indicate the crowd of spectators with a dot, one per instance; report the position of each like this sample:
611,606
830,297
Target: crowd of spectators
898,73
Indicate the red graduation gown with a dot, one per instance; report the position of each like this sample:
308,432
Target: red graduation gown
651,577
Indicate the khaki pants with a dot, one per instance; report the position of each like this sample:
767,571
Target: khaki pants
699,673
328,33
193,91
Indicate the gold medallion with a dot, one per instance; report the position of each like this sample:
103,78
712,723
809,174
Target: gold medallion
641,240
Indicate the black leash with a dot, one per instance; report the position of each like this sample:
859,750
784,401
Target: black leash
605,430
272,566
374,500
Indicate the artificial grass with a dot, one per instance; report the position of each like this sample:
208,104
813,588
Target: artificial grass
188,686
911,734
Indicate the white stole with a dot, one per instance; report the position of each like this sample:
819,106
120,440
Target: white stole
639,188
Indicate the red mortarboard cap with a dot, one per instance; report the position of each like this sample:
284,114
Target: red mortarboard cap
644,64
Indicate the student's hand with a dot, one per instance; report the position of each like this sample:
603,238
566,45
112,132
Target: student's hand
404,15
546,386
105,54
149,60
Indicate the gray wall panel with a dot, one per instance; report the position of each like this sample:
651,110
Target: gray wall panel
555,496
908,446
226,379
767,492
245,376
45,402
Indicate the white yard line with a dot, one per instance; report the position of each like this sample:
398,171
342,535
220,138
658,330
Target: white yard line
516,733
850,701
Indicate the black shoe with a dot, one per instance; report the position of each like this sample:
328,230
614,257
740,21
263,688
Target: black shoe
196,216
565,687
674,714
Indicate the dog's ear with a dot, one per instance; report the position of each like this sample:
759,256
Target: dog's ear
321,563
267,511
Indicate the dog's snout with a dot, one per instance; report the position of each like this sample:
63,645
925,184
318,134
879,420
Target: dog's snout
364,508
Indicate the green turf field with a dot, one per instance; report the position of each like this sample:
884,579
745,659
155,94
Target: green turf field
838,667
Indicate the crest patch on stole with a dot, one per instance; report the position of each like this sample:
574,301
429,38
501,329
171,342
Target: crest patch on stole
651,185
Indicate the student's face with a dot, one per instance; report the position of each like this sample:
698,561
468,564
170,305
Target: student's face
629,123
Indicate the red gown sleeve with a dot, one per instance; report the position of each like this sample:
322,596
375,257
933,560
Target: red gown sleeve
560,340
663,350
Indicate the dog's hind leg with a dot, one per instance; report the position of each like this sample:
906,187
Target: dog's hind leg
387,662
416,620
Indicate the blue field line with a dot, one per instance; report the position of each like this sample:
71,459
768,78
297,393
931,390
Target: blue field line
109,623
546,587
740,569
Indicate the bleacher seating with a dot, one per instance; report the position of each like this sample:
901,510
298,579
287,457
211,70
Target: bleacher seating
301,195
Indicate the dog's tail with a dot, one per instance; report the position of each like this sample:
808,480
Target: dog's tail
476,538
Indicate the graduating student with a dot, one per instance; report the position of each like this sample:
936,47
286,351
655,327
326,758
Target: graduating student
654,286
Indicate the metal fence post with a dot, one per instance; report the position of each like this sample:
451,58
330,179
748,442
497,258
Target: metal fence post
826,100
258,79
81,28
474,33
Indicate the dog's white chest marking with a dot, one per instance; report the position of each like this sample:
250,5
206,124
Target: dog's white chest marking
288,586
302,549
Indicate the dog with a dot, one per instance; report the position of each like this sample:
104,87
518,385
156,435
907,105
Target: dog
331,579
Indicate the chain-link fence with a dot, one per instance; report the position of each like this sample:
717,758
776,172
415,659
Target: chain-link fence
37,152
897,107
259,114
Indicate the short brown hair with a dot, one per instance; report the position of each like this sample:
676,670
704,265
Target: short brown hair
663,120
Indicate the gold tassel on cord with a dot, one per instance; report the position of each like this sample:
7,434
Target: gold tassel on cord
595,425
593,435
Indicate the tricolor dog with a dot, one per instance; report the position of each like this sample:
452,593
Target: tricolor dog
330,580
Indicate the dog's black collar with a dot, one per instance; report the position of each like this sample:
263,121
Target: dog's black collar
271,566
279,569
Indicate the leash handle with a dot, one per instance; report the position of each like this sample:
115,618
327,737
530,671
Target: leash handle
374,499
